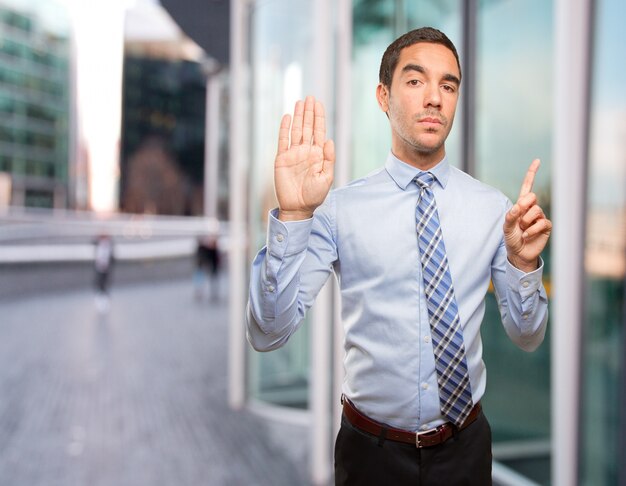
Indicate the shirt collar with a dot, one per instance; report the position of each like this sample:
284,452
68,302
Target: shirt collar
403,173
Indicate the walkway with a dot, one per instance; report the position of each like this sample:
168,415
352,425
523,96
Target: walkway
134,398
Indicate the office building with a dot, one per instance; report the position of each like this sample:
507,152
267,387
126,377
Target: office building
35,102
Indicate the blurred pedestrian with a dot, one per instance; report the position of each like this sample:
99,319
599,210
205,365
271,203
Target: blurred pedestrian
103,265
207,267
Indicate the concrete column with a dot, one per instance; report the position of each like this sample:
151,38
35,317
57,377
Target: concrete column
571,115
238,239
321,316
211,144
343,144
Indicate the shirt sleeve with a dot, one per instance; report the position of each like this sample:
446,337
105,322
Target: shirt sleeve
522,301
286,276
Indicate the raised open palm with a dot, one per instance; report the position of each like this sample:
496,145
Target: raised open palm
305,161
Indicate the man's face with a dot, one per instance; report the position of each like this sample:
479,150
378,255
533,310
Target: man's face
421,102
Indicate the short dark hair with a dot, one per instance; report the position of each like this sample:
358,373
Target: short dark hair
424,34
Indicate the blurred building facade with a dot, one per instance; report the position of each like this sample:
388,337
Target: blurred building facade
283,50
35,105
163,129
141,146
165,124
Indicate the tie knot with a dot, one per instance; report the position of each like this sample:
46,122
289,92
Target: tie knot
424,180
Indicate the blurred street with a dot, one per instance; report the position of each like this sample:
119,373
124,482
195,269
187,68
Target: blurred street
136,396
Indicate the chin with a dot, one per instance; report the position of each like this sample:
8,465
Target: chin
428,148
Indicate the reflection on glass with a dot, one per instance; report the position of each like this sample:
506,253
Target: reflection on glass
605,250
281,50
514,92
514,126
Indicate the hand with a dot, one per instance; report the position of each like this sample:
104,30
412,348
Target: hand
526,228
303,169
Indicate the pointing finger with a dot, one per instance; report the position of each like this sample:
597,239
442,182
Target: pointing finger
527,185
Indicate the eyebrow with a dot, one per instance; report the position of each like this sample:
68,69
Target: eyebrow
421,69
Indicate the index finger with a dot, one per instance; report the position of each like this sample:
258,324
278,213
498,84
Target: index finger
527,185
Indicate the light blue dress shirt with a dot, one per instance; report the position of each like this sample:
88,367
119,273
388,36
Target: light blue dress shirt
365,233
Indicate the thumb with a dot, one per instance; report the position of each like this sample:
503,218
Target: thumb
329,151
510,220
329,157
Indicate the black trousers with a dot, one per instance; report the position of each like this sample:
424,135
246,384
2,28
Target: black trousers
102,282
464,459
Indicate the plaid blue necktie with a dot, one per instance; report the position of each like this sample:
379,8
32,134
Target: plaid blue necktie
455,393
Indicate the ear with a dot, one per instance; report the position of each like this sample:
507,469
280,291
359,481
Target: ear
382,95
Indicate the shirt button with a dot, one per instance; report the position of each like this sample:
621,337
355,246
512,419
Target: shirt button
525,316
424,386
280,238
426,339
525,285
271,288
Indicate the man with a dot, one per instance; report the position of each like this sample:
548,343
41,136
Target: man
103,265
414,246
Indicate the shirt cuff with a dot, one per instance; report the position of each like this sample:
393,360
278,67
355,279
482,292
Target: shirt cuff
285,238
524,283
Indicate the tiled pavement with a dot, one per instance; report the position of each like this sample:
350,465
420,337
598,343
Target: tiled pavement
133,398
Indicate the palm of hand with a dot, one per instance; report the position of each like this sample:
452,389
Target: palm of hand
301,182
304,164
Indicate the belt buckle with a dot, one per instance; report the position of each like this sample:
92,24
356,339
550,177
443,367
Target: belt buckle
417,441
419,435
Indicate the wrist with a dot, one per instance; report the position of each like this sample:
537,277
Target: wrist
524,265
294,215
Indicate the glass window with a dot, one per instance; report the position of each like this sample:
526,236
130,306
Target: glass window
605,257
34,41
281,51
514,126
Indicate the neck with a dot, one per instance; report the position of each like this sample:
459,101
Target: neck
421,160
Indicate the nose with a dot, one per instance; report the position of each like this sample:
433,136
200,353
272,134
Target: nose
432,96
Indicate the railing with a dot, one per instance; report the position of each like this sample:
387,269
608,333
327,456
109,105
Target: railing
44,235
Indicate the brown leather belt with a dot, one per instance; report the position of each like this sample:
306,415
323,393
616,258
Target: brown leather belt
426,439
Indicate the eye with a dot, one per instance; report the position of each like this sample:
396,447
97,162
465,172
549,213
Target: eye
413,82
449,88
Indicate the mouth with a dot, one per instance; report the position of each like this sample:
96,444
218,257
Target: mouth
430,121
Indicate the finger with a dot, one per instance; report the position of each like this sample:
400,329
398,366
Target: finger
329,152
518,210
532,215
309,118
329,158
526,202
283,134
296,126
319,125
527,185
541,227
510,218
